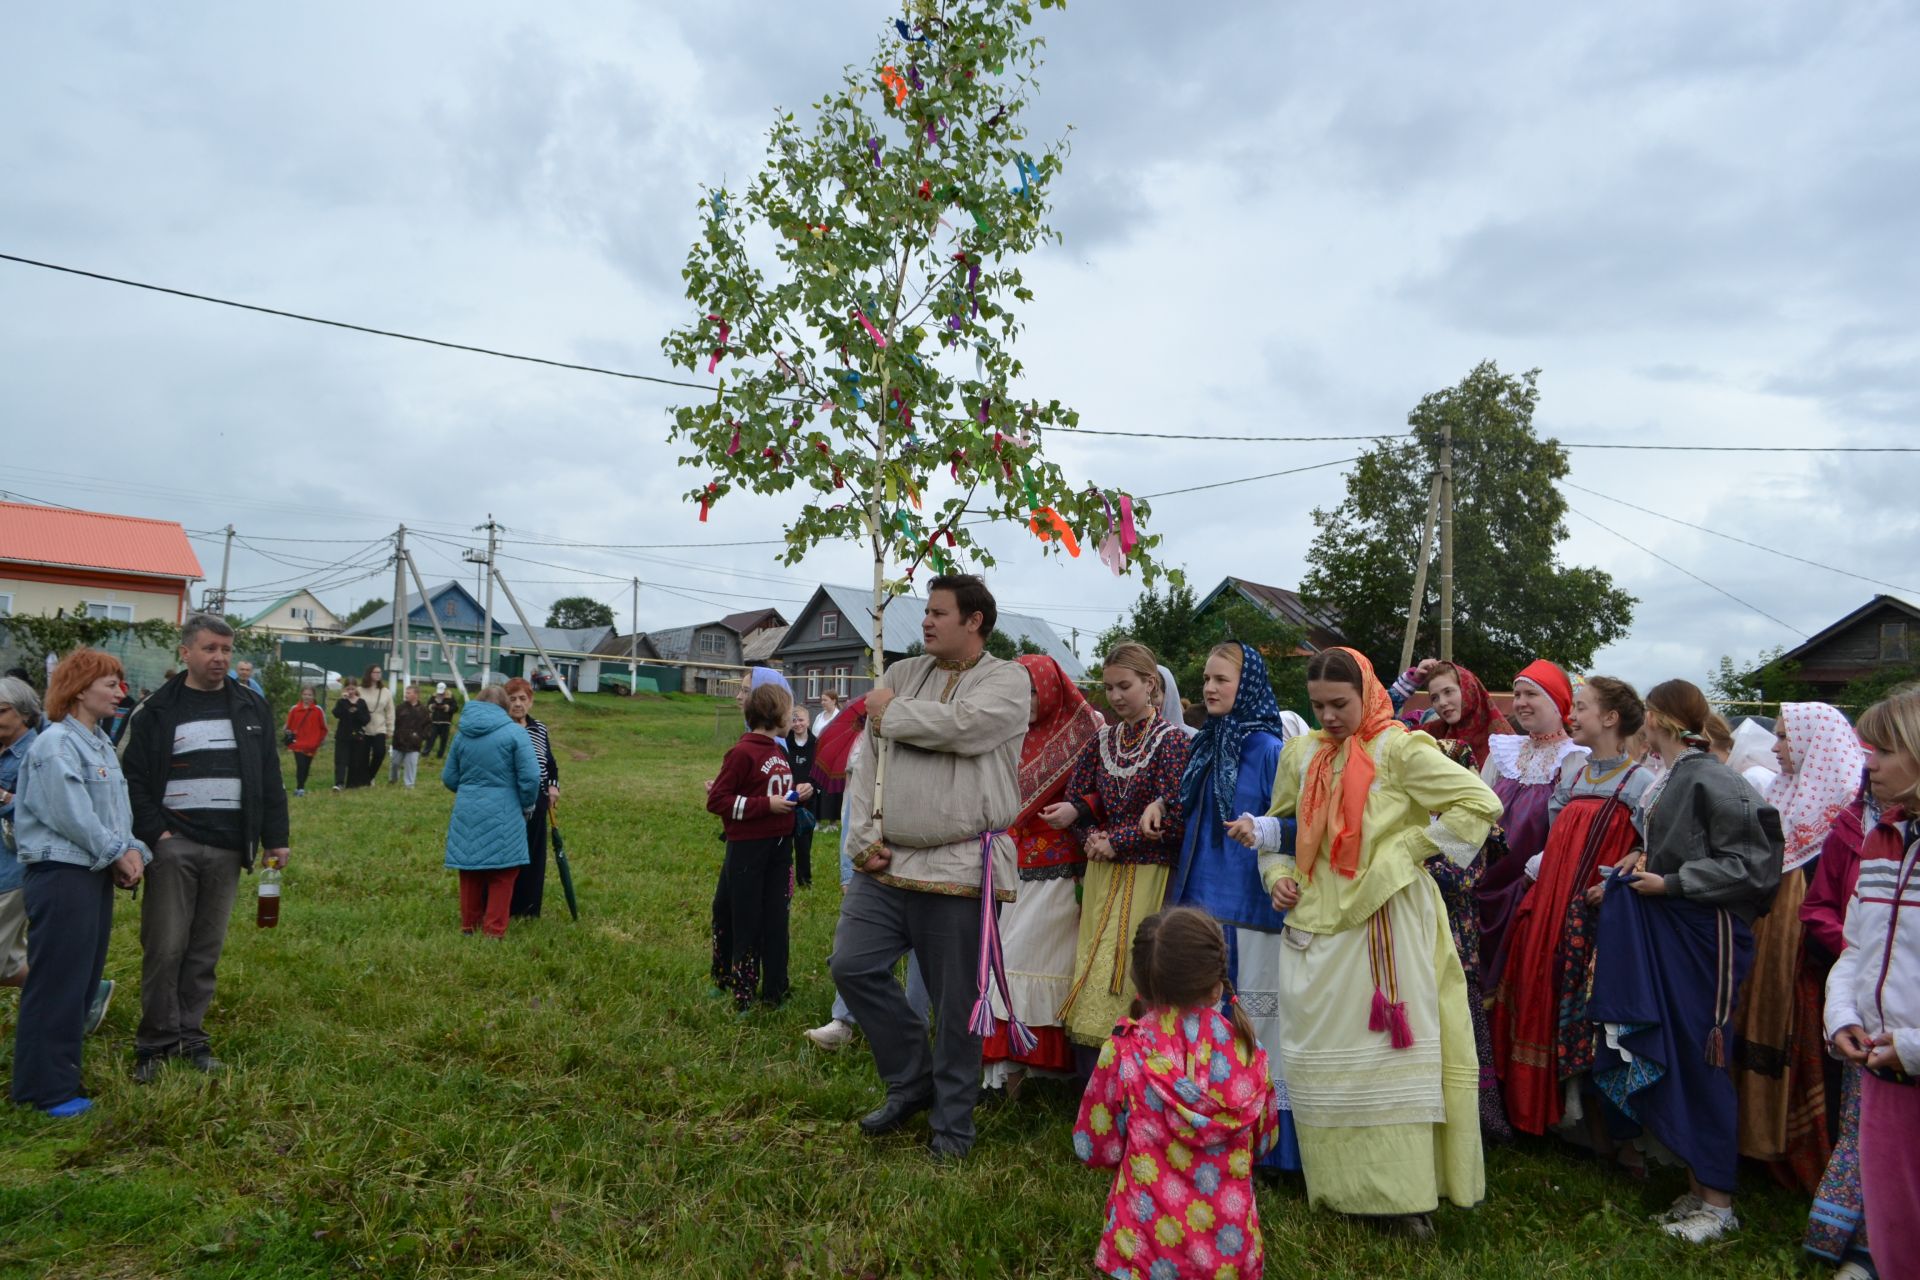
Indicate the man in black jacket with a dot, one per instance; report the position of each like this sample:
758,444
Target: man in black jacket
203,774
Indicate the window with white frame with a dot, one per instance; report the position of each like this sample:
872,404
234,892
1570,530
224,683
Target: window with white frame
423,652
840,681
829,625
813,684
6,603
712,642
112,612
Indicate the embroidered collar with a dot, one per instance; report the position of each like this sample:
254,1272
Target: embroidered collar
954,664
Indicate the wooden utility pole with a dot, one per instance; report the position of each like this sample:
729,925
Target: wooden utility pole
1419,602
1446,541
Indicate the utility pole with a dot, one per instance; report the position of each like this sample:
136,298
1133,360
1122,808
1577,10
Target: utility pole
446,650
533,635
226,559
486,626
1419,602
633,644
399,629
1446,540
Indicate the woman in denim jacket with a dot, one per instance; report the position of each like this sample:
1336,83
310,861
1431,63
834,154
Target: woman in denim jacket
74,827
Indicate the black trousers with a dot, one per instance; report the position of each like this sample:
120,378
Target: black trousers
376,756
531,886
302,766
437,740
802,857
756,894
69,919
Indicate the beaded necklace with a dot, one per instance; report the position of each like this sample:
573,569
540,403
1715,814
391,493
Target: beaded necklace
1121,760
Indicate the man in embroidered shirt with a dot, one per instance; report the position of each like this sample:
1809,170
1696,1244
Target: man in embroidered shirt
942,770
203,772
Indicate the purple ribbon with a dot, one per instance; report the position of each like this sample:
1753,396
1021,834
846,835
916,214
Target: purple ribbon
873,145
993,964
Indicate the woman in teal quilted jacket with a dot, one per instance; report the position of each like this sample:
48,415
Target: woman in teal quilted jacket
495,782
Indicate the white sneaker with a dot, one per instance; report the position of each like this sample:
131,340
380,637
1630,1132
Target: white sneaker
1852,1271
1685,1207
831,1036
1705,1224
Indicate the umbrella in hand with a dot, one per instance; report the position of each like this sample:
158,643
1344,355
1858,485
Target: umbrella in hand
566,871
836,744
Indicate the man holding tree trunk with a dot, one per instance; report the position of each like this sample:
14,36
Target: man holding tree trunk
942,772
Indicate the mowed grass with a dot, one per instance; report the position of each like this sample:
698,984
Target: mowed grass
407,1102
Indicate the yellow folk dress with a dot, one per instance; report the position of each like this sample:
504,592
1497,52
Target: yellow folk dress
1383,1130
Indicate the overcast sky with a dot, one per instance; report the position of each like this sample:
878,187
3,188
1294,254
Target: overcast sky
1697,220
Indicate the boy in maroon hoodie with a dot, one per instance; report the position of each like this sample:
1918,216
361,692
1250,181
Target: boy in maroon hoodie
755,796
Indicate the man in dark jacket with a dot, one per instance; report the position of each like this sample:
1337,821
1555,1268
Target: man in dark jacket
203,773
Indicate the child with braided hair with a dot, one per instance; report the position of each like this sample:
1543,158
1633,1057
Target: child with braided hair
1180,1106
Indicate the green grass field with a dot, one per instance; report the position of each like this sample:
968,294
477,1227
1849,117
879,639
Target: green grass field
407,1102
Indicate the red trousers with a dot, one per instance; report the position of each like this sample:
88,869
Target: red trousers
485,897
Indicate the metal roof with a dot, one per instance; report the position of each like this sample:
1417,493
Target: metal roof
855,604
63,538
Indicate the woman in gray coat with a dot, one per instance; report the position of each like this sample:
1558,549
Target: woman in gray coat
495,782
74,826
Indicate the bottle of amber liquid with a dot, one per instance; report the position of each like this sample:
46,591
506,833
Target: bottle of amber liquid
267,915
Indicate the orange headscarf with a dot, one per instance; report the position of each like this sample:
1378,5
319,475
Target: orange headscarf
1356,779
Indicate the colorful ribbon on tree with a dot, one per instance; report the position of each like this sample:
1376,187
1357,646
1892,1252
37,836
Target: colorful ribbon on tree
706,500
714,361
891,79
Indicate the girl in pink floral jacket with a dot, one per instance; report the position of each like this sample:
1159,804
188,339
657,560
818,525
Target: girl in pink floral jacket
1180,1105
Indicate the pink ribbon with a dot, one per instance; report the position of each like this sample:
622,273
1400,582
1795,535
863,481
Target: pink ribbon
734,447
879,339
714,361
1129,537
993,964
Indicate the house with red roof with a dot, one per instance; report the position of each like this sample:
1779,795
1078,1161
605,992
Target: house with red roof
127,568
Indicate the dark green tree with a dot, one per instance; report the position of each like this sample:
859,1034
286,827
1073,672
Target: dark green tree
572,612
1181,638
362,611
1513,599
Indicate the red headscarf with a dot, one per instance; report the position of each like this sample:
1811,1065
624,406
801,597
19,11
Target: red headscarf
1059,727
1478,719
1356,779
1554,681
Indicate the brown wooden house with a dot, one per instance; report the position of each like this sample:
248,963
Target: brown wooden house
1881,634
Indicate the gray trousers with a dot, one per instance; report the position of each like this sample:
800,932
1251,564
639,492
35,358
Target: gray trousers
186,900
879,923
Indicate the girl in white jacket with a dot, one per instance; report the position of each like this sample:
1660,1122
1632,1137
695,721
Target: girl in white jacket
1873,992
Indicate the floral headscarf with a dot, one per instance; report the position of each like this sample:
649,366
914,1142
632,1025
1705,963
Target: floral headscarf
1062,724
1216,748
1478,718
1356,779
1827,760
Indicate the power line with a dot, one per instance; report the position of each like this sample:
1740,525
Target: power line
704,387
1745,604
355,328
1271,475
1785,555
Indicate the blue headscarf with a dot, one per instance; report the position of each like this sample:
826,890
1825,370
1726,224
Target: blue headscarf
767,675
1216,748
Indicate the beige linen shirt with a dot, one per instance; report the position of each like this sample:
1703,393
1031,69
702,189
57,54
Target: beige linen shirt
952,739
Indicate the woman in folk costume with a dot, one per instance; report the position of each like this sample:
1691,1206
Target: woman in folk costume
1461,720
1230,774
1779,1059
1542,1041
1523,769
1837,1225
1038,928
1377,1043
1174,711
1127,769
1673,944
